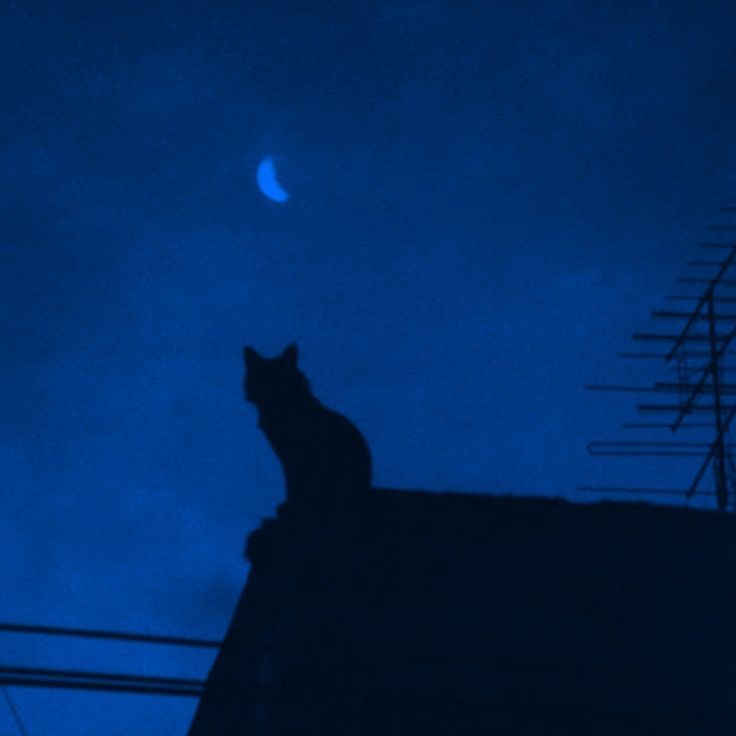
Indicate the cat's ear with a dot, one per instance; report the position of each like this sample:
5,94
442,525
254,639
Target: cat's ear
290,355
250,356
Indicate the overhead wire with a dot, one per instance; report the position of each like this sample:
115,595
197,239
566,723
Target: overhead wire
98,676
110,687
182,641
14,712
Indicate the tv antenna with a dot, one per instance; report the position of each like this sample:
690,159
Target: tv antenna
700,399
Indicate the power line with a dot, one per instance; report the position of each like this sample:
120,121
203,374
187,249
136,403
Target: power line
100,676
182,641
14,712
110,687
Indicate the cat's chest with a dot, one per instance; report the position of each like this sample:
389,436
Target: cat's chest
286,428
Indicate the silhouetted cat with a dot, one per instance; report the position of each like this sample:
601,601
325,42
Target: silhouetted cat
324,457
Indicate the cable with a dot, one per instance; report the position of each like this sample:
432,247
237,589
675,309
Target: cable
182,641
100,676
109,687
14,712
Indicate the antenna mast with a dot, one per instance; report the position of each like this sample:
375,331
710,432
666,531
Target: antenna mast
702,399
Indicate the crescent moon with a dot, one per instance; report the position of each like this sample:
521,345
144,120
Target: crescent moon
268,183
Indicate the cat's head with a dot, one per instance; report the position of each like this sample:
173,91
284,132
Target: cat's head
270,381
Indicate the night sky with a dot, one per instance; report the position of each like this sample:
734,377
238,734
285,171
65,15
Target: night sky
486,200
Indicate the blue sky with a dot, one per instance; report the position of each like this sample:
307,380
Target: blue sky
486,200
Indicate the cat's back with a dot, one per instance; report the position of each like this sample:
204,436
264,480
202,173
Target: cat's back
338,436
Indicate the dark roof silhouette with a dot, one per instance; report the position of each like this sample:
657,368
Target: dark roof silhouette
466,614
